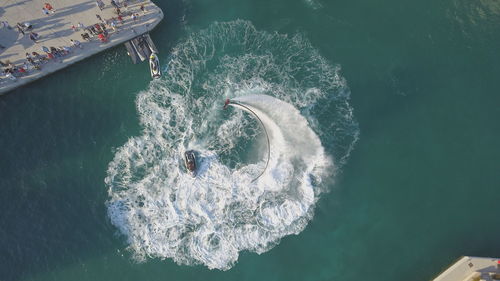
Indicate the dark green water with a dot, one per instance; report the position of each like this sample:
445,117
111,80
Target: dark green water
419,189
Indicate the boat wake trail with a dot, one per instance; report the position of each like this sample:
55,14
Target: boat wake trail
301,101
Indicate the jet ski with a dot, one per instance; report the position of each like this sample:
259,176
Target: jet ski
190,161
154,65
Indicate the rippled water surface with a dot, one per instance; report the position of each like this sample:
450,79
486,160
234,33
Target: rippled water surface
374,125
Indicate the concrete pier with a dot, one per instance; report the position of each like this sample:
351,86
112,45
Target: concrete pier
472,269
55,30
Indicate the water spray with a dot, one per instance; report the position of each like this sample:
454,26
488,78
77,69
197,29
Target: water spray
246,108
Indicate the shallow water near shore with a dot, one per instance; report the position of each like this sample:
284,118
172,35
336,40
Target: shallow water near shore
398,102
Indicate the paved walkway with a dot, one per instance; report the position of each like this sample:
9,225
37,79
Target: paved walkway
472,269
55,30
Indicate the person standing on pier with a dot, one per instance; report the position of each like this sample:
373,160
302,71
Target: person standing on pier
99,4
98,17
102,37
76,43
34,36
6,24
113,3
49,8
113,24
20,28
85,36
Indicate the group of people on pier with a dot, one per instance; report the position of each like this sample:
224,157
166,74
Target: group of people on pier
34,61
100,31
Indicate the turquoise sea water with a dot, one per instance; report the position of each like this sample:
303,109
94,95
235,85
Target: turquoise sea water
402,95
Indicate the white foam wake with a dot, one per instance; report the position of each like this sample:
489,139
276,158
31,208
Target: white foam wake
164,212
212,217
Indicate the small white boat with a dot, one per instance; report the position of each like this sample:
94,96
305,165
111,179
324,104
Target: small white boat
154,65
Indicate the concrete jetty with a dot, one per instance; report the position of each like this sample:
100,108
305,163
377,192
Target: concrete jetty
56,30
472,269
